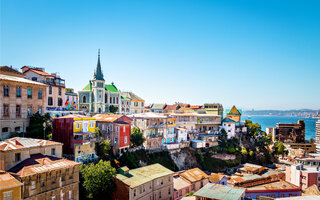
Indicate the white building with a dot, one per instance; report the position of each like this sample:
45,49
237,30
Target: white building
229,126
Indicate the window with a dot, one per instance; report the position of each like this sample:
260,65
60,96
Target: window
5,129
180,193
62,196
91,125
63,177
71,174
125,139
50,102
29,111
187,189
59,91
18,110
193,186
110,99
53,180
6,90
18,91
7,195
159,195
33,185
40,94
134,192
84,99
124,128
116,140
117,128
117,100
43,182
59,102
70,194
169,191
34,78
53,151
30,93
77,125
50,90
5,110
17,157
143,188
17,129
169,179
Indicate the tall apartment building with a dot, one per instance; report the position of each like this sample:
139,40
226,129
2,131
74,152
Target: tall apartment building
318,132
55,91
19,99
39,166
288,132
144,183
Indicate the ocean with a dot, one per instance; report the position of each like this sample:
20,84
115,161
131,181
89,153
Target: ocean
271,121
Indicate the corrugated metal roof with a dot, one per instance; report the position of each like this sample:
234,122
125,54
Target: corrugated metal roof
194,175
139,176
216,191
18,79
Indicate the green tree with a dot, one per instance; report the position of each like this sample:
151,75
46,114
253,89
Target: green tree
39,126
97,133
113,109
103,149
311,141
136,137
98,180
231,149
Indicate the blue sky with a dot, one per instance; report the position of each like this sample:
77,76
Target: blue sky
254,54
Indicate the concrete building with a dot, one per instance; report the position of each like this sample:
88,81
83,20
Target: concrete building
196,177
136,104
213,108
152,126
19,99
199,123
117,129
288,132
144,183
229,126
55,90
38,165
303,176
77,133
10,187
219,192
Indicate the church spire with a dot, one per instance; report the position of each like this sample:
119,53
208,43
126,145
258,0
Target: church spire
98,75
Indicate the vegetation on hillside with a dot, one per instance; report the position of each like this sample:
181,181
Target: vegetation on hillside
40,126
136,137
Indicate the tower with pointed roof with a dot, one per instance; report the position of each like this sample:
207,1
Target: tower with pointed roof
98,91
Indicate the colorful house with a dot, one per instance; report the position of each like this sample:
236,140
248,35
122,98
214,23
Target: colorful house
181,187
116,128
218,179
157,108
77,133
234,114
229,125
136,104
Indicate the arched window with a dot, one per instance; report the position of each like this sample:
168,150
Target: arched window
110,100
84,99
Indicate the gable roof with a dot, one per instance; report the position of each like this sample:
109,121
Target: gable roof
227,119
131,96
8,181
9,70
19,79
157,106
88,87
234,111
194,175
107,117
171,107
21,143
111,88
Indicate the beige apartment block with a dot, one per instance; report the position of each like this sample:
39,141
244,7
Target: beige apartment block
19,98
39,166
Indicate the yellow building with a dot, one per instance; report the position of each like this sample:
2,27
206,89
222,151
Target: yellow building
10,188
234,114
77,133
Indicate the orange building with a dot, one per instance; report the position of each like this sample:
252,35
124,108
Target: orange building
234,114
10,188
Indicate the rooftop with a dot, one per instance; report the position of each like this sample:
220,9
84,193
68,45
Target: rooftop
216,191
131,95
157,106
107,117
314,197
8,181
6,77
21,143
148,115
111,88
39,163
278,185
76,116
194,175
139,176
180,183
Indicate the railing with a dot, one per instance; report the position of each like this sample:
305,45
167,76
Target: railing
156,126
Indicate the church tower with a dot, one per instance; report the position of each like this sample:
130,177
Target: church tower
98,90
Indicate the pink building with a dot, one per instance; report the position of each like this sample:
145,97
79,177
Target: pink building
180,187
302,176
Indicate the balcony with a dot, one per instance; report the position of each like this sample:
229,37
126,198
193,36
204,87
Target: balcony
156,126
